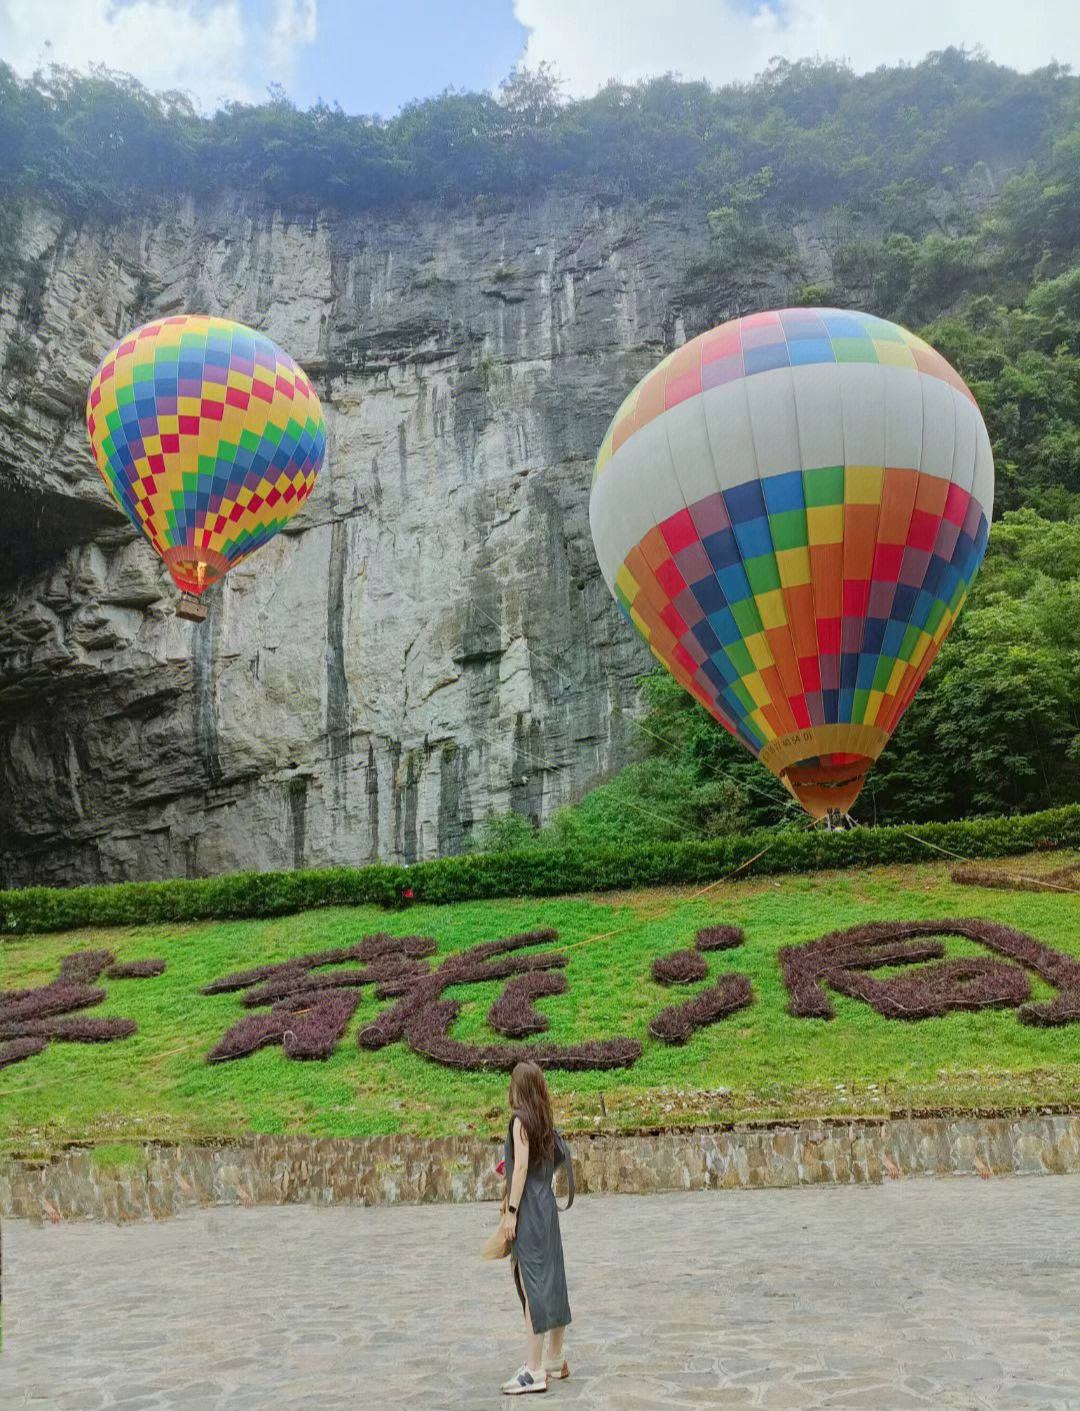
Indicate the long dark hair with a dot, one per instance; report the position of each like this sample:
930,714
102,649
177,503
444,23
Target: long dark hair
531,1101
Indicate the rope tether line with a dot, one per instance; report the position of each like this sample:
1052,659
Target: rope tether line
1019,876
686,902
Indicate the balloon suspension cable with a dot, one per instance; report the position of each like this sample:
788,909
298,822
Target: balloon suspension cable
689,901
1019,876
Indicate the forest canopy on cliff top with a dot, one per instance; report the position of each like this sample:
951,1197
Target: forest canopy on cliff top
103,143
948,196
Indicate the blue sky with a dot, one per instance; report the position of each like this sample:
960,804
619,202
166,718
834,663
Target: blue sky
374,55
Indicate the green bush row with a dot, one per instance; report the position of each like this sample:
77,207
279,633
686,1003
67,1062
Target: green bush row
544,872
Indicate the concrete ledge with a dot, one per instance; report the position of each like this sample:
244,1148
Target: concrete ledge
408,1170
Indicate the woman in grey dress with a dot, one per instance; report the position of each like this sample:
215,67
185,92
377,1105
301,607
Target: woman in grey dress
534,1150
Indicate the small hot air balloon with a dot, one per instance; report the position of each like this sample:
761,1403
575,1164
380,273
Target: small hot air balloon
210,439
790,510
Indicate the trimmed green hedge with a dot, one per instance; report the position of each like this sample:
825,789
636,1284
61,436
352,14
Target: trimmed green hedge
529,872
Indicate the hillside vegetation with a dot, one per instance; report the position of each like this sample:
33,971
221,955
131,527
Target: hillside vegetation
105,144
758,1062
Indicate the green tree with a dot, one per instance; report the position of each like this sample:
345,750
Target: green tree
994,726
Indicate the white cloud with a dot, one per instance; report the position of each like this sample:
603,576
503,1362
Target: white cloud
295,27
209,48
590,41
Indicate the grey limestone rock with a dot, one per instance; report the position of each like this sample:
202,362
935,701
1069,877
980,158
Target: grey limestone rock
431,640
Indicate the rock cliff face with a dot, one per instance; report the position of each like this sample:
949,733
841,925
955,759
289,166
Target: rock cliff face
430,641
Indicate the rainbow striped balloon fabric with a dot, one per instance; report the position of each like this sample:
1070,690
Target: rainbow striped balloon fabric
790,510
209,437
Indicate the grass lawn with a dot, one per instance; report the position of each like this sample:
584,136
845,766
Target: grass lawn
759,1063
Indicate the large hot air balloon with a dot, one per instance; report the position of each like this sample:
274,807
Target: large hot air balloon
790,510
209,438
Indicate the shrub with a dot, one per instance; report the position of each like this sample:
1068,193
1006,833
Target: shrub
382,946
292,982
60,997
527,872
85,1029
84,966
719,938
681,967
424,1018
306,1026
18,1049
506,832
934,990
491,960
514,1013
136,970
654,800
21,355
675,1024
1062,879
310,1011
372,948
841,959
29,1019
429,1035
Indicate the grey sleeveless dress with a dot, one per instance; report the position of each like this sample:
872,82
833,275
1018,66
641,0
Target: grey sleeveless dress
536,1255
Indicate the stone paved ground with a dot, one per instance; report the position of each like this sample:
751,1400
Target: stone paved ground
946,1294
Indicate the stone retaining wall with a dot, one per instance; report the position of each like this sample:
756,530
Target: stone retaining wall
404,1170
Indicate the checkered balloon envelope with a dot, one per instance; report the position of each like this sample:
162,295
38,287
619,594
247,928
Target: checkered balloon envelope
790,509
209,438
